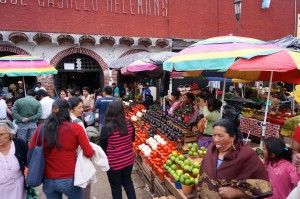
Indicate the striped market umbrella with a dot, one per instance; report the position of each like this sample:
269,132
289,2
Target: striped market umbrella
138,66
218,53
23,65
282,66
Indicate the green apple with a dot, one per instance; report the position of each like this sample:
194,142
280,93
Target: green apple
170,156
186,167
174,167
169,170
196,181
191,168
193,149
187,182
172,172
168,162
195,145
195,153
182,180
174,153
173,158
202,148
182,165
192,180
190,145
180,162
164,166
179,172
196,164
195,171
190,153
176,178
181,157
177,159
187,162
186,176
200,152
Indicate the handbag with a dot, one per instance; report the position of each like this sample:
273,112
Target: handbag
36,162
89,118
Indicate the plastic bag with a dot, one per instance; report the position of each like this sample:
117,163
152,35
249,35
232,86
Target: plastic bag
265,4
89,118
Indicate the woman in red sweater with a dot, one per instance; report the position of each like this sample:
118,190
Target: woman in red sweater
116,139
62,139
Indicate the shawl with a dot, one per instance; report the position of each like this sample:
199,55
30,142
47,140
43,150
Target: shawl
241,168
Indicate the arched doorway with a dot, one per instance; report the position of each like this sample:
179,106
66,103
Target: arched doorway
78,70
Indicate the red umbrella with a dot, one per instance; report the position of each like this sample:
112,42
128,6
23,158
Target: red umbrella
282,66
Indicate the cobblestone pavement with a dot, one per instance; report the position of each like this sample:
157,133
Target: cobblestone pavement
101,189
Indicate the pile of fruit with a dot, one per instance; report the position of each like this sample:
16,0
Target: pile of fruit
182,169
193,150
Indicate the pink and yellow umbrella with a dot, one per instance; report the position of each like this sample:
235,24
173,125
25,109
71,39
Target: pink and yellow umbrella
23,65
138,66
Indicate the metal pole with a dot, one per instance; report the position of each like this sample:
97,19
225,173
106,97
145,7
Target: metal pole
264,125
223,96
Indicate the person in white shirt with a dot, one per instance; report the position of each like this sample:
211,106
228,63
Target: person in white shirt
39,87
3,109
46,103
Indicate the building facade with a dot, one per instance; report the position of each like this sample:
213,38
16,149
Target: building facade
80,37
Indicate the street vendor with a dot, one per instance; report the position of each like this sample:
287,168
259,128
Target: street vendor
175,103
231,169
188,101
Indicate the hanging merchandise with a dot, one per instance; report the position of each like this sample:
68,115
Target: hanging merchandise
265,4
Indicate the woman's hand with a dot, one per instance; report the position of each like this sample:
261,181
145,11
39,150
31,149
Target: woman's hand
231,192
202,102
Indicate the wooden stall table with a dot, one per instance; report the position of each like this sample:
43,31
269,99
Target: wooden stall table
178,192
254,126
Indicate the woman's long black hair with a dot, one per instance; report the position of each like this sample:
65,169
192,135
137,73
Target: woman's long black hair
114,119
60,114
277,147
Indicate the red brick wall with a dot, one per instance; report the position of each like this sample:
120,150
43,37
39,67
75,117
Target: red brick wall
187,18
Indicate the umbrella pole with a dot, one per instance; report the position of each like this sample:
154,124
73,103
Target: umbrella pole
223,96
264,125
293,101
242,90
24,85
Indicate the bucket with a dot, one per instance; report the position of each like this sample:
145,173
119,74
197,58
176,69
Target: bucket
186,189
247,141
177,184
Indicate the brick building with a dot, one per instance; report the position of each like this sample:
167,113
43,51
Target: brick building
91,33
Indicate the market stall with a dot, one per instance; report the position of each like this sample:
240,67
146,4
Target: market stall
164,169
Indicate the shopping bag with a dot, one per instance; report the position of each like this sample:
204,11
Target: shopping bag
31,194
36,162
89,118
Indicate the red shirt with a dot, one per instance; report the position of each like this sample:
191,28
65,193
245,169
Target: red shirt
61,163
296,134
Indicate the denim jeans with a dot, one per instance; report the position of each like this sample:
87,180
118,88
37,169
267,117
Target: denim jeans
54,188
119,178
26,130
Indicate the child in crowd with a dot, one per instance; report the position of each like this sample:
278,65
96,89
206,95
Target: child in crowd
282,173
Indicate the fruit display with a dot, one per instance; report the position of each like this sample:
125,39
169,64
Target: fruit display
202,151
182,169
193,150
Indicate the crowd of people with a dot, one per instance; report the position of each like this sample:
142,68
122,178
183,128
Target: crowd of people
230,168
64,130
